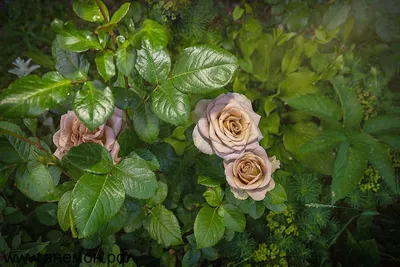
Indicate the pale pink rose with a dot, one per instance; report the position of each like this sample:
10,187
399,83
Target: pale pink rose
250,174
226,126
73,133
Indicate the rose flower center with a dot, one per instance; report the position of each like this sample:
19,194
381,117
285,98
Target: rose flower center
248,170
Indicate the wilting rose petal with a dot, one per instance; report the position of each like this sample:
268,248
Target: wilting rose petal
73,133
250,173
226,125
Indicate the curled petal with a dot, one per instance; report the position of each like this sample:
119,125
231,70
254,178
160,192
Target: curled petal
239,194
202,143
200,108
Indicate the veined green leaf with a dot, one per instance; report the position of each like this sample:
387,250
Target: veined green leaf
34,181
139,181
77,40
71,65
233,217
155,34
200,69
382,123
316,105
325,141
120,13
146,123
349,168
95,200
30,96
170,105
163,226
336,15
63,210
276,196
105,64
89,10
352,110
153,65
14,150
208,227
125,58
94,104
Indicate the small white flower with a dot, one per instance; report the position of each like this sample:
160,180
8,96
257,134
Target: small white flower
22,67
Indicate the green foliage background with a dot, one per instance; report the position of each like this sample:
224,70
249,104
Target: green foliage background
322,74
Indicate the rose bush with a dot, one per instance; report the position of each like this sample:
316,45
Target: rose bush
226,126
250,174
73,133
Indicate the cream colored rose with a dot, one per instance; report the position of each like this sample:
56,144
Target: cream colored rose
250,174
73,133
226,126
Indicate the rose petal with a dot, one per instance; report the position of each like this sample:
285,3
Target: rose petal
242,99
200,108
115,122
229,175
201,143
239,194
257,194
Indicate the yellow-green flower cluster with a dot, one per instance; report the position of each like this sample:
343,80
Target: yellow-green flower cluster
370,182
282,223
368,102
395,155
276,257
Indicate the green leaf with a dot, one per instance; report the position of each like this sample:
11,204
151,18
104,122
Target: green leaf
139,181
325,141
125,98
153,65
382,123
277,207
233,218
30,96
352,109
160,196
296,16
237,13
146,155
310,48
200,69
296,135
90,157
392,140
214,196
94,104
34,181
170,105
14,150
120,220
71,65
63,211
379,157
299,83
348,170
208,227
77,41
95,200
89,10
213,181
47,214
120,13
336,15
125,58
105,64
276,196
257,209
146,123
155,34
316,105
292,58
191,257
163,226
